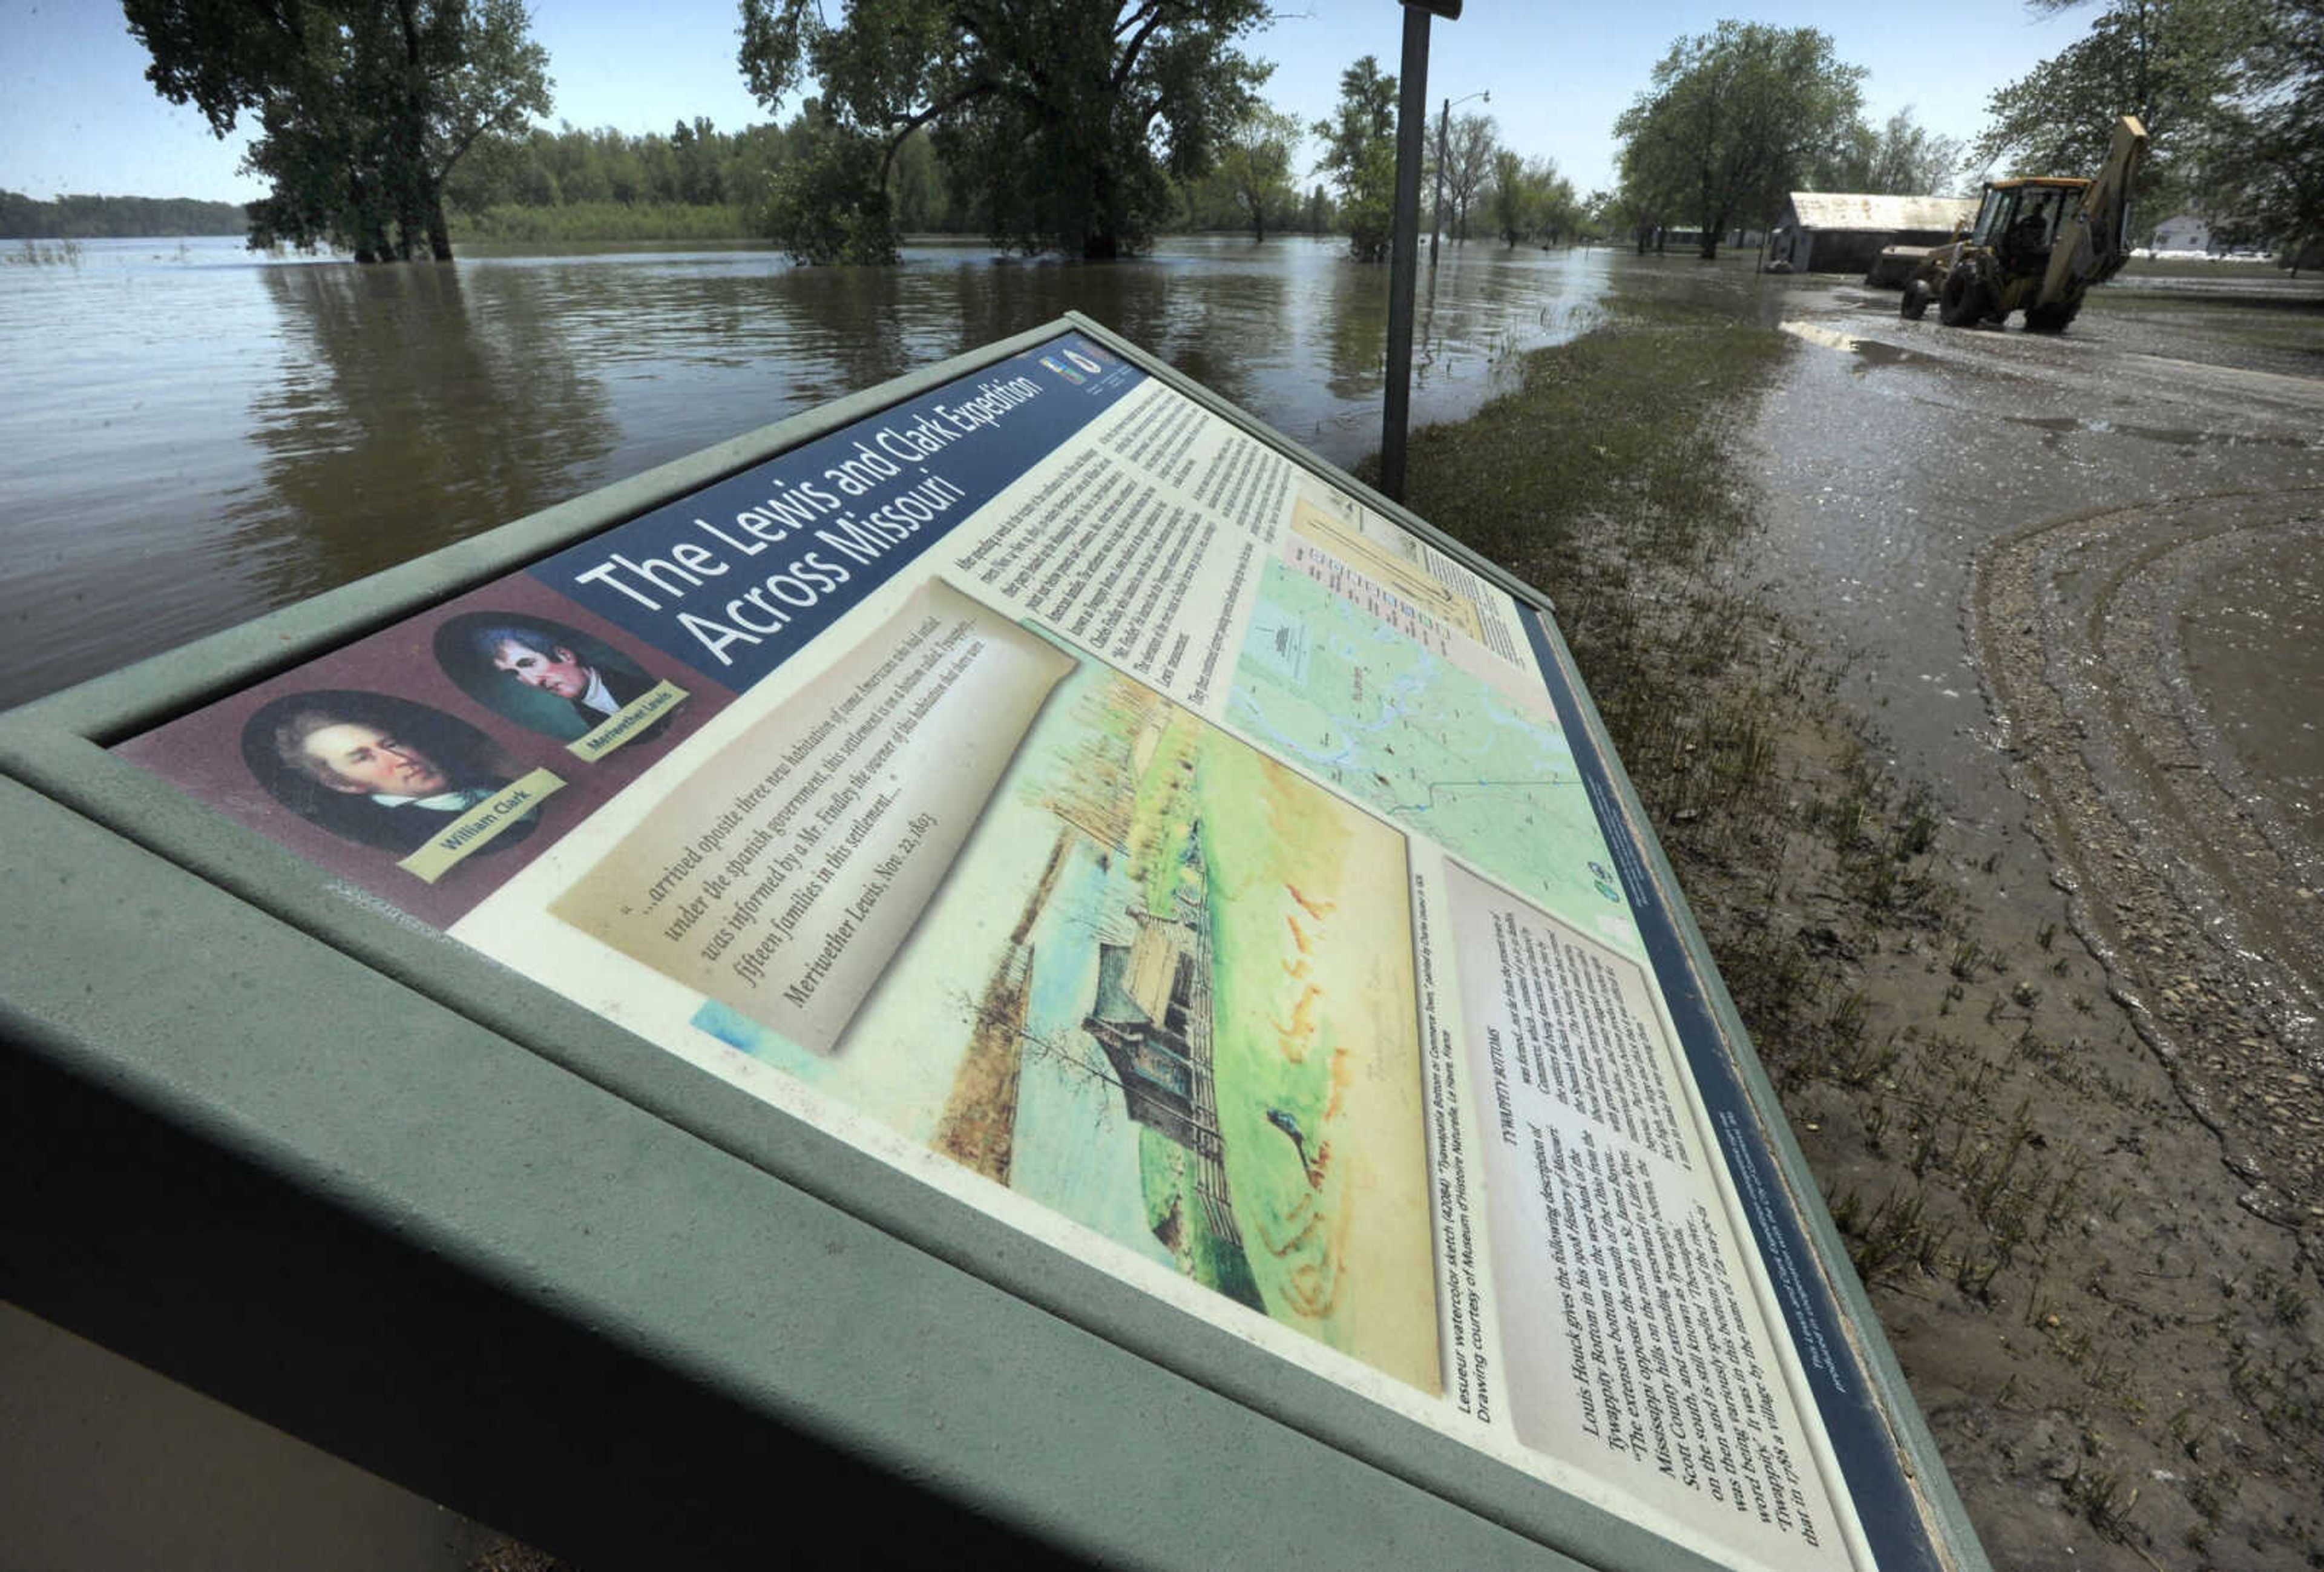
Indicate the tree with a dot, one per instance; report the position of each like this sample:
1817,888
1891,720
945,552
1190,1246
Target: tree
1360,155
1653,186
698,149
2171,62
364,106
1468,163
1316,216
2231,93
2271,172
1902,159
1530,199
1255,166
1512,211
1067,120
923,197
1734,120
1558,210
77,217
815,200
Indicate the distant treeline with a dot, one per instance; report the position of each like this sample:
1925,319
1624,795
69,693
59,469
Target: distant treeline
100,217
695,183
699,182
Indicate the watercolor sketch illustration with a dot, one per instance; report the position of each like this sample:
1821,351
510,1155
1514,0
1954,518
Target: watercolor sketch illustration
1168,990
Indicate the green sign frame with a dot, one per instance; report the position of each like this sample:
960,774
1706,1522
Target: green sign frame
272,1135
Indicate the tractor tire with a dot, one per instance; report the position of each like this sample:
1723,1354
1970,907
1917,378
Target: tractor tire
2049,319
1916,299
1961,303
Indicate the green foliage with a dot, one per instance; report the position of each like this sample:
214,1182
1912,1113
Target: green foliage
2171,62
1319,214
827,205
696,152
1254,171
84,217
1734,120
1511,221
2232,95
1902,159
1627,209
548,169
924,196
698,182
1531,201
1360,155
364,106
2271,172
1062,122
1470,146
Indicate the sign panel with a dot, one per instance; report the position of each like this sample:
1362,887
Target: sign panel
1061,793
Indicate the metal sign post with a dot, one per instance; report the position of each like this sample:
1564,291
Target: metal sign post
1404,248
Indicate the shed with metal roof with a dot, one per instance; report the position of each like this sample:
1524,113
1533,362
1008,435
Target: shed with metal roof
1844,231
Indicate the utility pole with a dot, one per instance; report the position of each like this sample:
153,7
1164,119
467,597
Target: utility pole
1444,142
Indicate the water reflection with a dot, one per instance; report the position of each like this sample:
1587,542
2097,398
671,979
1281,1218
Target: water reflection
200,434
1356,338
424,405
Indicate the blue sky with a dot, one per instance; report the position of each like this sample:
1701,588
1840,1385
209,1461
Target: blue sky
76,113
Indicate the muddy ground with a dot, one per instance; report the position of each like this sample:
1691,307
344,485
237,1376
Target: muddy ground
2072,588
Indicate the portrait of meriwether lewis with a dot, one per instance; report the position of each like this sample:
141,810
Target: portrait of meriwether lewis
541,675
375,768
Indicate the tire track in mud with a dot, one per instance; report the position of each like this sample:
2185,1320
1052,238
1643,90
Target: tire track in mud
2203,898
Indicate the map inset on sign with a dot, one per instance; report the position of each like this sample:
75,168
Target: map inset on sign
1426,745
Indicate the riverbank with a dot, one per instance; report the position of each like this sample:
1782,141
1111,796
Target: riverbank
2112,1342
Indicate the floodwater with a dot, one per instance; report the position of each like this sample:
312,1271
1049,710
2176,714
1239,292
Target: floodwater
194,434
2076,580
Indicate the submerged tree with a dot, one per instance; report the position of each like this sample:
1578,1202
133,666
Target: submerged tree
1066,120
1529,199
1512,198
1360,155
1468,152
1255,166
1734,119
364,106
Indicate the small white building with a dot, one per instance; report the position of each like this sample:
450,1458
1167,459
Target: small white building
2184,232
1843,232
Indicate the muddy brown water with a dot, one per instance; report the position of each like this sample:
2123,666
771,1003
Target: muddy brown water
193,434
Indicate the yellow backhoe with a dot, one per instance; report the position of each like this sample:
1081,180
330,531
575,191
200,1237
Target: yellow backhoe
2039,243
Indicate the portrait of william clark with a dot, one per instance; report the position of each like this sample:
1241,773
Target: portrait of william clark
375,769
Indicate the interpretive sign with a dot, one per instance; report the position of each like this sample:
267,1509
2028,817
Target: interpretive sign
1074,799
